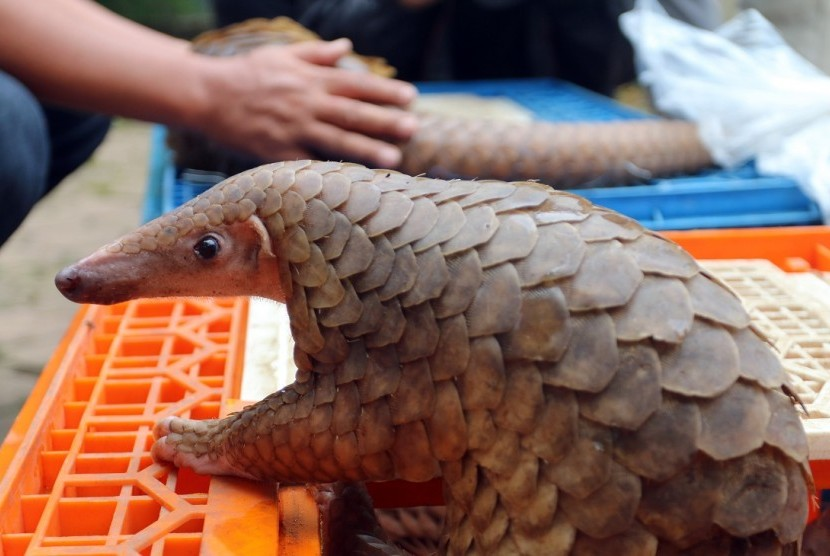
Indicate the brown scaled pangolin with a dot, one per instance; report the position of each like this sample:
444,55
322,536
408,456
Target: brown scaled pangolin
579,383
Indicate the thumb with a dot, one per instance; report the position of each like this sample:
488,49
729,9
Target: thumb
323,53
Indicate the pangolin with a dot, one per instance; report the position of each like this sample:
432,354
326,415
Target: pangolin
568,154
578,382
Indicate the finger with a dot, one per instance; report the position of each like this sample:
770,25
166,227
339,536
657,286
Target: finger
323,53
370,88
347,145
370,119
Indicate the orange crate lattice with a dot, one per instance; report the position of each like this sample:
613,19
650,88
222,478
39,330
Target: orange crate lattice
77,472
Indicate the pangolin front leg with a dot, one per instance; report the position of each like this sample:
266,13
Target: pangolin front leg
579,383
194,444
254,444
314,431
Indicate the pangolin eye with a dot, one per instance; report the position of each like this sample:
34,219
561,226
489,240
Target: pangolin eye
207,247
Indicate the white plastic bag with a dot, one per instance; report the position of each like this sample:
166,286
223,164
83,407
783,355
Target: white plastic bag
751,94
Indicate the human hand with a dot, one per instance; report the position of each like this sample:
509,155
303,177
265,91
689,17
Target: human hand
289,102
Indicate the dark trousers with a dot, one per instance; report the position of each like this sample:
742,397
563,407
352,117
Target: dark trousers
39,146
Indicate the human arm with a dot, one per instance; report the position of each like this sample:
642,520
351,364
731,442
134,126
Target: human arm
275,102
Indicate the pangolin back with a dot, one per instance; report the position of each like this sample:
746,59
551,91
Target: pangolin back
566,155
580,384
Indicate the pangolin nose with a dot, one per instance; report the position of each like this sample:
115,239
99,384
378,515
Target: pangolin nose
68,280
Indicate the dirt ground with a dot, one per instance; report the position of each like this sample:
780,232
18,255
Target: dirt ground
94,205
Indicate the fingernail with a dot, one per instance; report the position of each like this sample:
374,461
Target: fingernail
342,43
407,125
408,93
389,157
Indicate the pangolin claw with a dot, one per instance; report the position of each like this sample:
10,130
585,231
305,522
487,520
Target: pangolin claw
187,443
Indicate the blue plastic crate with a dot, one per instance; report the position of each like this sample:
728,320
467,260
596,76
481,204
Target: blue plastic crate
548,99
737,198
713,199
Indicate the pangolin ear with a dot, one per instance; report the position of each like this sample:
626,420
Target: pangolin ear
264,236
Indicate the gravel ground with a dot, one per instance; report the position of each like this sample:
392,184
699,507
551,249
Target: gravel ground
100,201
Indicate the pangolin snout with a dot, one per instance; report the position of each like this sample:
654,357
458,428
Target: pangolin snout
100,280
68,282
81,285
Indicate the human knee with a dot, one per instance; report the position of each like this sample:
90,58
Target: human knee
24,153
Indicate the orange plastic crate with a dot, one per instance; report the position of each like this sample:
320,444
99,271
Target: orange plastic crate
795,249
77,476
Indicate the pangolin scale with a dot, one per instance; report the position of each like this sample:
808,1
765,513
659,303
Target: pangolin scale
570,155
580,383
